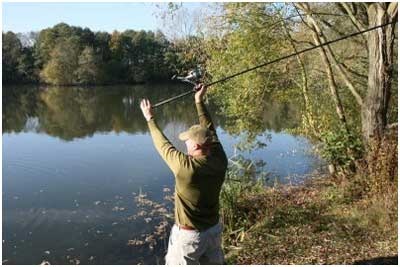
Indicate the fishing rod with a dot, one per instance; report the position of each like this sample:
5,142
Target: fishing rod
195,75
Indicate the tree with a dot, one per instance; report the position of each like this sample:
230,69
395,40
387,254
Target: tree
325,52
380,69
178,22
18,61
60,70
12,51
379,44
48,39
101,41
89,64
26,66
117,66
137,53
247,41
60,55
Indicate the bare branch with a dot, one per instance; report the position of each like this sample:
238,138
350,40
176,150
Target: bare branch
301,17
354,20
330,26
331,79
357,23
329,52
303,42
304,84
347,68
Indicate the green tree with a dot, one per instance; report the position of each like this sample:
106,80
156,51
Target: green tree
101,44
26,66
60,56
12,51
137,55
18,61
117,66
246,42
89,65
48,39
60,70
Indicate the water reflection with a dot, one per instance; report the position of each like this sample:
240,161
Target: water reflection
77,112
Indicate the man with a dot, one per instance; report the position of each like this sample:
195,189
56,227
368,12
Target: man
196,236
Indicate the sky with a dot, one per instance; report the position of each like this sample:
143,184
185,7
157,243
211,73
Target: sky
25,17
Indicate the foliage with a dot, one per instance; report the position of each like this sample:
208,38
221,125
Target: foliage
67,55
377,175
248,34
244,177
62,64
17,61
247,42
186,54
89,65
26,66
341,148
240,180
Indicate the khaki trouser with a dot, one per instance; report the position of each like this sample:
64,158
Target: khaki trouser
187,247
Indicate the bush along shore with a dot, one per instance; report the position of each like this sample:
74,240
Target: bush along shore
347,219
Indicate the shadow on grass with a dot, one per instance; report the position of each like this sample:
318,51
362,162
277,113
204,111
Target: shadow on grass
379,261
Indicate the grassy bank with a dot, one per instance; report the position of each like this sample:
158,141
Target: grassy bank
316,223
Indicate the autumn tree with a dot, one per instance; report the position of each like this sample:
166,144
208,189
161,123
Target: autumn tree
120,57
63,62
379,44
246,42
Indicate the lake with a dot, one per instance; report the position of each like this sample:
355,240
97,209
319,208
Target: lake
83,183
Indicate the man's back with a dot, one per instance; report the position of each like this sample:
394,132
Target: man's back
198,185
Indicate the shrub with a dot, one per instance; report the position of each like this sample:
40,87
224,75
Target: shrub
341,148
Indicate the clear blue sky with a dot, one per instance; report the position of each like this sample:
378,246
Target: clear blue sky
25,17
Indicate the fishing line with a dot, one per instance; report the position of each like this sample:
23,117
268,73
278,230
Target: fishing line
271,62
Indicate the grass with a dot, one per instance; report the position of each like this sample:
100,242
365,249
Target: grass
345,219
316,223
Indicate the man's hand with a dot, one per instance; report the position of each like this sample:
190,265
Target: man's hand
201,91
146,109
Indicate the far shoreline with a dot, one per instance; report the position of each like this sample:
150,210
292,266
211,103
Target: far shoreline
41,85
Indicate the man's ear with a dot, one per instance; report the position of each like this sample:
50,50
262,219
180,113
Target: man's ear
197,146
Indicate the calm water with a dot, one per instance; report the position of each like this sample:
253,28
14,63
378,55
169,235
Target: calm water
81,177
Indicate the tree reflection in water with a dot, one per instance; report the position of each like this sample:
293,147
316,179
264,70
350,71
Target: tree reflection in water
77,112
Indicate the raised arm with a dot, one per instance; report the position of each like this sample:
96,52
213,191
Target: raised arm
173,157
204,116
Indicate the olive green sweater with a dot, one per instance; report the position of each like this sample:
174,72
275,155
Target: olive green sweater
198,179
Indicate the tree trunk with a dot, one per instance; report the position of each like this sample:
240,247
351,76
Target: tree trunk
380,43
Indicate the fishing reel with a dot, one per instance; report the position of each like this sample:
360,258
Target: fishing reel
194,77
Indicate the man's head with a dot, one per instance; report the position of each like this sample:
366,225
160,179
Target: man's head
196,139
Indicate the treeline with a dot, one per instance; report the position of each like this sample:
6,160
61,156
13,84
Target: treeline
68,55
